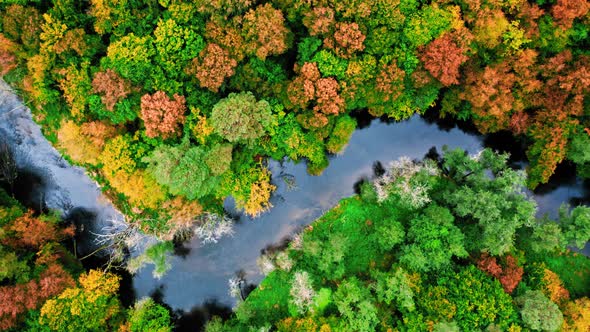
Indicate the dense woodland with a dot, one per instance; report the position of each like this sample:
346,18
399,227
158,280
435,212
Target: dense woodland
45,288
174,105
178,103
446,245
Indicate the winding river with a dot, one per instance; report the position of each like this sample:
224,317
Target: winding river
197,284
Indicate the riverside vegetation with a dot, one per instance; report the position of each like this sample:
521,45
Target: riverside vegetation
45,288
175,105
439,245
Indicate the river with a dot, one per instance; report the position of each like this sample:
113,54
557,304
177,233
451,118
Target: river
197,284
46,180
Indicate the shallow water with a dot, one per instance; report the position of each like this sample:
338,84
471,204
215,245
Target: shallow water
200,273
48,181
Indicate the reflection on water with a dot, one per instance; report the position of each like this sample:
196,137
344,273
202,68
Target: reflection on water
45,180
200,274
197,285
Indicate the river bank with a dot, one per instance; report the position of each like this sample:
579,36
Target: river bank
197,283
48,181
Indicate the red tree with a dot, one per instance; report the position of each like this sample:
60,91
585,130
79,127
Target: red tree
34,232
566,11
7,59
212,67
442,58
347,40
490,94
265,31
17,299
529,15
161,115
308,87
509,275
319,21
111,86
519,122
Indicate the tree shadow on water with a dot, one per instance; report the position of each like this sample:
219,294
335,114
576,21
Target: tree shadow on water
195,319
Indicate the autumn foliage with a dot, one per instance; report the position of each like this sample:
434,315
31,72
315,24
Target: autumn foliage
8,60
347,40
321,92
17,299
319,21
565,11
577,315
509,274
31,240
98,132
72,40
490,93
23,25
111,87
212,67
163,116
265,31
77,144
553,287
33,232
442,58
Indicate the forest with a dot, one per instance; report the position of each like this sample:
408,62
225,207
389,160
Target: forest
438,245
172,106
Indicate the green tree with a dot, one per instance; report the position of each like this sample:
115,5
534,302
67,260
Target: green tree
579,153
157,254
182,169
480,300
11,267
426,24
345,126
538,312
575,224
240,118
354,302
547,236
132,57
327,255
219,158
175,46
394,287
491,208
148,316
433,240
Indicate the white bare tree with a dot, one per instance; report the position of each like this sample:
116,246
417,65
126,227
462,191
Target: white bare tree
401,178
212,227
302,292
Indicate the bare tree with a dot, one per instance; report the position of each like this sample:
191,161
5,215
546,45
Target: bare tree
116,241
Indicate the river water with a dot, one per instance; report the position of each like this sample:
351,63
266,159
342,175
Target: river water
46,180
197,284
